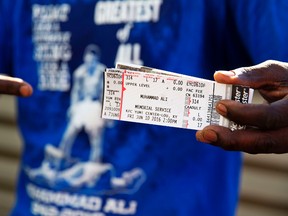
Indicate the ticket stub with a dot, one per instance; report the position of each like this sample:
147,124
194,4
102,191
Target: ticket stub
151,96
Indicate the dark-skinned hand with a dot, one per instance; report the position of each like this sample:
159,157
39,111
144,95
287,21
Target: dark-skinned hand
267,124
14,86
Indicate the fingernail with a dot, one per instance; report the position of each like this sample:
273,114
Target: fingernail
25,91
227,73
210,136
221,109
199,136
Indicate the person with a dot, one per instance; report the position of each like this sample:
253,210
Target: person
266,123
133,169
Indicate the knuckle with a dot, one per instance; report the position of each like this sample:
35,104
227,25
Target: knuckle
270,62
243,71
274,119
263,144
232,145
273,66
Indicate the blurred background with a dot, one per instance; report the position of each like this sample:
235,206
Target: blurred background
264,183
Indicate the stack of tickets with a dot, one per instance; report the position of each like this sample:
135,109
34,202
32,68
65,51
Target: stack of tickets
151,96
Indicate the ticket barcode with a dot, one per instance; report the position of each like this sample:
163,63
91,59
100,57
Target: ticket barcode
151,96
215,117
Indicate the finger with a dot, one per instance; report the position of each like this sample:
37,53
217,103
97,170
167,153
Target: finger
14,86
272,95
250,141
264,116
265,75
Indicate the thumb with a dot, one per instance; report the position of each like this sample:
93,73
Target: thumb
265,74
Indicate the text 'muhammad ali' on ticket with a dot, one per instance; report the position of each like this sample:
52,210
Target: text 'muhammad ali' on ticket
151,96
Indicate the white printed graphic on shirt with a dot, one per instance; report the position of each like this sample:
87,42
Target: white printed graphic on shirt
59,167
52,46
52,52
116,12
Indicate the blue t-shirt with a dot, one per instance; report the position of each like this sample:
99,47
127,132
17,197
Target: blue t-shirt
74,162
258,29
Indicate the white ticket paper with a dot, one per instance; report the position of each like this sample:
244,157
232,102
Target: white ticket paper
151,96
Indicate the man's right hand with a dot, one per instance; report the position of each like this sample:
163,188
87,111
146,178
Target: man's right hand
267,124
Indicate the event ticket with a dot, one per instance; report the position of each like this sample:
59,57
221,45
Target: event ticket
151,96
